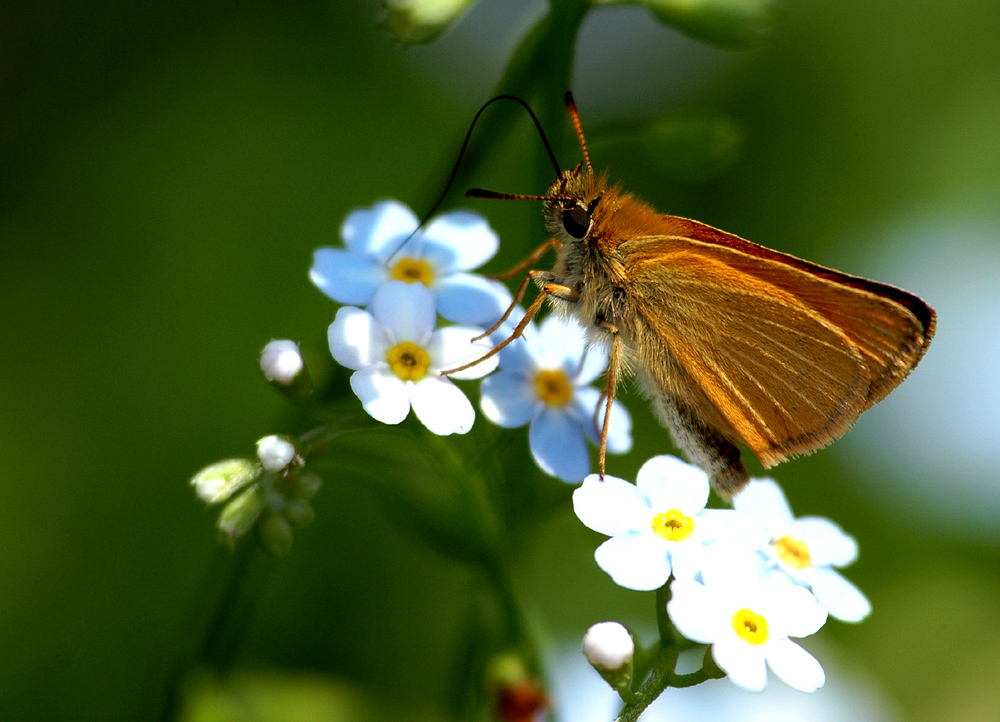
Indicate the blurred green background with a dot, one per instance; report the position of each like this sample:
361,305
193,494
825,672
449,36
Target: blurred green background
167,170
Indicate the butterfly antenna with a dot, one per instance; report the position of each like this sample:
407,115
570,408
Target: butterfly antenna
461,154
574,115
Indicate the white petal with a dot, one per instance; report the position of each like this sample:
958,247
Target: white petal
507,399
463,238
560,345
828,544
441,406
672,484
468,298
794,665
559,446
792,611
378,230
728,525
346,276
584,401
764,499
406,310
613,506
383,395
453,346
841,599
635,561
695,612
729,565
744,663
356,339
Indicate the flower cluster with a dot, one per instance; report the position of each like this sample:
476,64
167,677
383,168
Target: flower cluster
407,276
741,578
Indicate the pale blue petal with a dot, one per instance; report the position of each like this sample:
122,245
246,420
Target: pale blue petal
406,310
672,484
560,345
794,665
441,406
356,339
468,298
840,597
828,544
452,347
379,230
460,241
612,506
345,276
732,526
792,611
637,562
585,399
507,399
742,662
764,499
383,395
558,445
595,360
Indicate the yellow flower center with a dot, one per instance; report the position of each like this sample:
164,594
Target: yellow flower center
408,361
750,627
553,387
793,552
672,525
413,270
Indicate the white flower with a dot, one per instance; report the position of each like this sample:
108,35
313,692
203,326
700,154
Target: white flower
398,356
544,380
281,362
608,645
806,550
747,621
437,256
660,525
275,453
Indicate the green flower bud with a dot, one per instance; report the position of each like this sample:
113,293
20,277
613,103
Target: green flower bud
275,534
240,515
218,482
415,22
299,512
727,23
306,486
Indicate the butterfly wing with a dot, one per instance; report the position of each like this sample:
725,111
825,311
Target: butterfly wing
786,357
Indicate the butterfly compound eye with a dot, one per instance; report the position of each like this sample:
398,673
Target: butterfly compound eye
576,221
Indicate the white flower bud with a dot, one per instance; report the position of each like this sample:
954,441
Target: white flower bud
281,362
608,646
275,453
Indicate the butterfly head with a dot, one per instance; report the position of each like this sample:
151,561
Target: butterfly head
572,202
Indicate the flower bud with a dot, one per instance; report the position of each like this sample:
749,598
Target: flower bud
414,22
282,364
609,648
275,534
727,23
299,512
306,486
240,515
275,453
221,480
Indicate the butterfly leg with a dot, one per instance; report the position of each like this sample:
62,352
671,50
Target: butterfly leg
611,383
549,288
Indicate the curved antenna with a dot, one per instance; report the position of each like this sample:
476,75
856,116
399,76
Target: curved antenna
461,154
575,117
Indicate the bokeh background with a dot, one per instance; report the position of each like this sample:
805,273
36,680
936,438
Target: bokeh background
166,171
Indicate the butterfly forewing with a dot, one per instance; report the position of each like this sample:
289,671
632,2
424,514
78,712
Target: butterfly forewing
784,378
